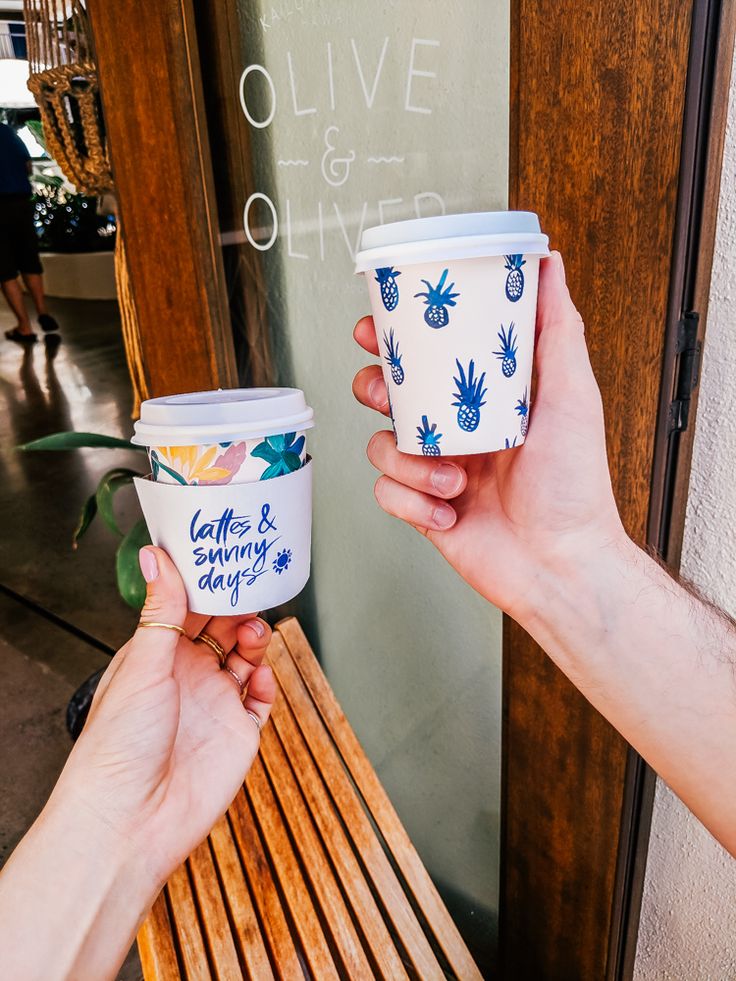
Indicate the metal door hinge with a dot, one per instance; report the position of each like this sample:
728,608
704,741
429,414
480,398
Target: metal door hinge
688,370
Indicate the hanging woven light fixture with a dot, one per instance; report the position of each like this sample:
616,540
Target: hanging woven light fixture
63,80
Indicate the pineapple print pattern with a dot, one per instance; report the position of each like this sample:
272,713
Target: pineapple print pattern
438,299
522,407
386,279
469,397
393,358
515,278
507,353
429,438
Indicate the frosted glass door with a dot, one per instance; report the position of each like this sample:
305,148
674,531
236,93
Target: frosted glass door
354,113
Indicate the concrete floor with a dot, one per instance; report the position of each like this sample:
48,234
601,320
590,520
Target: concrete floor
59,609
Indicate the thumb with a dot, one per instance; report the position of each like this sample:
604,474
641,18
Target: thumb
166,603
562,363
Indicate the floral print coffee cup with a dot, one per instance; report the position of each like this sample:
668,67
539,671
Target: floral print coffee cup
230,494
222,437
454,302
229,462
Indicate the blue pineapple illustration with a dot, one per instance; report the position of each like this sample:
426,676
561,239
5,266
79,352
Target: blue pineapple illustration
522,407
507,354
510,446
515,278
393,358
429,438
438,299
469,397
386,278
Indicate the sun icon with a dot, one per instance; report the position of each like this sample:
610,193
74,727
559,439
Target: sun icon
282,561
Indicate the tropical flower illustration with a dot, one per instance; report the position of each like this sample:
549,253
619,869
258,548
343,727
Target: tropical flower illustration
282,453
515,278
386,278
282,561
192,464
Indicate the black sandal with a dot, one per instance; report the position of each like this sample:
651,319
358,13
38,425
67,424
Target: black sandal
47,323
16,334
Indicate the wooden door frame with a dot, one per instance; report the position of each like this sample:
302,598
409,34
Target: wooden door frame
586,886
568,844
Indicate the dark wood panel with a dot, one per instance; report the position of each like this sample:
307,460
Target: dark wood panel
151,93
597,101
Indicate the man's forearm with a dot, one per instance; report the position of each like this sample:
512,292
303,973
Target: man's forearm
658,663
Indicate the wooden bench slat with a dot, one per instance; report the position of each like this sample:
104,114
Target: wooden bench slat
156,944
374,857
247,934
291,880
213,916
186,924
322,809
276,930
319,871
383,813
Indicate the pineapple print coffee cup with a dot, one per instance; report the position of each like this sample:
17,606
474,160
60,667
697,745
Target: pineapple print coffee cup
230,494
454,301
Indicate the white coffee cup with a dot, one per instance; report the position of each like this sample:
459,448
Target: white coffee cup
240,544
454,302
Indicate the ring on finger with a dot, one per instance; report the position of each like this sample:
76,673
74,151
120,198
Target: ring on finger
238,680
259,724
213,645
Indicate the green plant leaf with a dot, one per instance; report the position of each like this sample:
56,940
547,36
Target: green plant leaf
265,452
73,441
131,584
85,519
110,483
36,128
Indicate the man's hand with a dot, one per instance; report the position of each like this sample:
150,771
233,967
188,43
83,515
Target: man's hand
506,520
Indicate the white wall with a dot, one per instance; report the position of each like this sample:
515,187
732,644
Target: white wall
688,924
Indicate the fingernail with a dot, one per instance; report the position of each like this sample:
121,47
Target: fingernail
377,393
446,478
148,564
257,627
443,516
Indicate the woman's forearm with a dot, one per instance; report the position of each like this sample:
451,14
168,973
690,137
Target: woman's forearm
657,662
71,897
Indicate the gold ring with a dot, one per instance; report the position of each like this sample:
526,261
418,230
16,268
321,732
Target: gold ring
239,683
213,646
166,626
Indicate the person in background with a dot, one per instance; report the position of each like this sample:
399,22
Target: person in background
18,241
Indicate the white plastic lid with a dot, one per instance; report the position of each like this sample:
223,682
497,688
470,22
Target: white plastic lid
221,416
483,233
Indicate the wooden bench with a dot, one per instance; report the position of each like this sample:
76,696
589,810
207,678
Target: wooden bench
310,873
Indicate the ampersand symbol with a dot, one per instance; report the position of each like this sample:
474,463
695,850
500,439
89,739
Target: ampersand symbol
335,170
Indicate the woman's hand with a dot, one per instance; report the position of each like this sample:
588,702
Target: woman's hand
506,521
164,751
168,741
